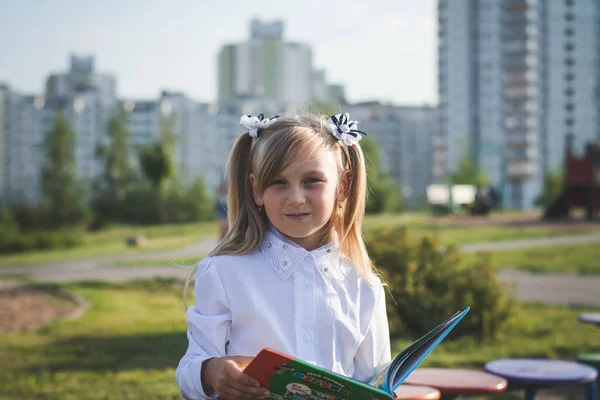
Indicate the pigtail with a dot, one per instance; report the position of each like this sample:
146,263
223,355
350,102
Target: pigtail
239,183
349,224
246,224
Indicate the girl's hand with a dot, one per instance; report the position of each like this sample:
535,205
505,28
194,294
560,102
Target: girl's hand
224,375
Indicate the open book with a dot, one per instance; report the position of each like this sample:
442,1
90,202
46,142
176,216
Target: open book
290,378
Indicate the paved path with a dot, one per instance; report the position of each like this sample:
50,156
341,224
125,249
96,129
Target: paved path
547,288
529,243
559,289
197,249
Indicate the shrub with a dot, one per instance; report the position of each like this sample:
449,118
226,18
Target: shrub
429,283
29,218
11,242
142,205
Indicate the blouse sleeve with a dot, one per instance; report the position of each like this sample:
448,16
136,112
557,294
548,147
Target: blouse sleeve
374,351
208,323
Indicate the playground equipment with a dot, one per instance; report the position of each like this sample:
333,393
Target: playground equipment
582,183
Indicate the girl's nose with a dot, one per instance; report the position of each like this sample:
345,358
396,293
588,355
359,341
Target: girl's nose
296,196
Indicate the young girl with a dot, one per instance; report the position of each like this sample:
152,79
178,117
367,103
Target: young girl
292,273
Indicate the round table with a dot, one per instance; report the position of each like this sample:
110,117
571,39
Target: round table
590,318
457,382
533,374
415,392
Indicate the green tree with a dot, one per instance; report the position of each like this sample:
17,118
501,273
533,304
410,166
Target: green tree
468,173
384,194
8,223
553,185
62,196
118,169
201,203
156,162
193,204
119,173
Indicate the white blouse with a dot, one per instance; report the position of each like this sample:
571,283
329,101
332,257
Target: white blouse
312,305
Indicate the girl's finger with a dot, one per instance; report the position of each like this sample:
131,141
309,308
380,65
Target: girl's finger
242,381
248,380
256,392
234,393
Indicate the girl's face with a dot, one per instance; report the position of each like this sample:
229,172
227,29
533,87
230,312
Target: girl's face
300,199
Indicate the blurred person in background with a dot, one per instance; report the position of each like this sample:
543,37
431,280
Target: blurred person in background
222,209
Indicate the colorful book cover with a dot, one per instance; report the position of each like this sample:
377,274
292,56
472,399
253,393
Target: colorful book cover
292,379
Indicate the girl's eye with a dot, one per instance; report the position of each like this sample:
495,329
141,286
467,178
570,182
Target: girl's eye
277,182
313,180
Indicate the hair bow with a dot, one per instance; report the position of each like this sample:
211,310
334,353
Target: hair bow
254,123
344,129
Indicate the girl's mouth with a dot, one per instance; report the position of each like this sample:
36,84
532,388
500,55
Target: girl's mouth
297,216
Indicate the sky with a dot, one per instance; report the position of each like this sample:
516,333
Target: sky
383,50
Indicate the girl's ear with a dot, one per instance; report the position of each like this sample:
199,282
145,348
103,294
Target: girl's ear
345,183
258,198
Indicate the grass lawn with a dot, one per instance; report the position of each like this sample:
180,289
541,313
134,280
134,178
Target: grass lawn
420,225
126,346
579,259
129,342
111,242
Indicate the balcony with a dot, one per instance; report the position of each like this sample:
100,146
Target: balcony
520,169
521,141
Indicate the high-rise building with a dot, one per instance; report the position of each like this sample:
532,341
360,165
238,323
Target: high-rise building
4,126
82,77
267,67
515,77
295,87
86,98
404,136
21,146
203,133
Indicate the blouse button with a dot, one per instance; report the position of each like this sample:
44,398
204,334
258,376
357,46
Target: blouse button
329,250
269,245
325,269
307,284
307,338
285,261
307,259
285,246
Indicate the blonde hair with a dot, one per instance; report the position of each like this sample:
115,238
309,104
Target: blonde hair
265,157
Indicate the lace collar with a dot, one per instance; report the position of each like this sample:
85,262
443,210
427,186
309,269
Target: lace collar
285,256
